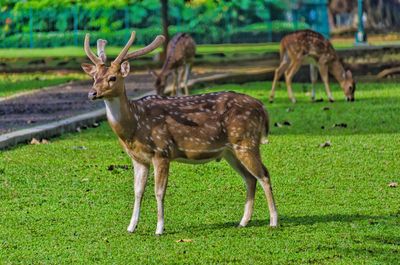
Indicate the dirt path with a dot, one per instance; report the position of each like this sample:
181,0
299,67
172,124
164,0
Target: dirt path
49,105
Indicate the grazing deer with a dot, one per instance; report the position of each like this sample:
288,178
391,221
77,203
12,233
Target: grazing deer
309,47
158,130
180,55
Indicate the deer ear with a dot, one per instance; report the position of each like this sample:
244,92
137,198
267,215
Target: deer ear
153,73
125,69
349,74
90,69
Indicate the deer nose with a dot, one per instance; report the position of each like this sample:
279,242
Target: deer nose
92,94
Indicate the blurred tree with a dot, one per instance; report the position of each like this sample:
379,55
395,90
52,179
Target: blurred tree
381,14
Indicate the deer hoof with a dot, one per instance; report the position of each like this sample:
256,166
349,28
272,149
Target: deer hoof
331,100
131,229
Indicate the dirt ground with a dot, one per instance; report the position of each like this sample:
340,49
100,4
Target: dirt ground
49,105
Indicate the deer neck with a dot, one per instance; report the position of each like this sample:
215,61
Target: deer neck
120,116
338,71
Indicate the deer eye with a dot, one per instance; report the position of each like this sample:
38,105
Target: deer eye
112,79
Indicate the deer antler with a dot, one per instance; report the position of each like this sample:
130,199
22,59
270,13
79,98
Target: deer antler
101,44
124,51
149,48
96,60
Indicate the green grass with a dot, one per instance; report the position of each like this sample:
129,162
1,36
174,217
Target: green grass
205,49
17,83
113,51
60,204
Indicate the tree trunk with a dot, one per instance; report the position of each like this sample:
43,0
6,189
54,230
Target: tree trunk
165,24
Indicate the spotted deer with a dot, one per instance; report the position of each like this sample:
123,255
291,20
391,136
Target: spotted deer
194,129
310,47
178,62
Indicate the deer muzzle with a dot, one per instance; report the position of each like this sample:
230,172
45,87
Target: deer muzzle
92,95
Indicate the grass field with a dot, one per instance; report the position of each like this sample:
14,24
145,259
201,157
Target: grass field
204,49
60,203
17,83
113,51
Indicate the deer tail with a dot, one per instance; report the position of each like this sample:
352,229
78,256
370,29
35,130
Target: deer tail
264,139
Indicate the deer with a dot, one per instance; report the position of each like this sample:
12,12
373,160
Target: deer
310,47
178,62
157,130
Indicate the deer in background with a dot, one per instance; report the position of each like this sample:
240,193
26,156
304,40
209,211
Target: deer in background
178,62
158,130
310,47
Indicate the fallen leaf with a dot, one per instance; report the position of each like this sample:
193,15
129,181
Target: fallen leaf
112,167
339,125
79,147
284,123
289,109
393,184
326,144
184,241
35,141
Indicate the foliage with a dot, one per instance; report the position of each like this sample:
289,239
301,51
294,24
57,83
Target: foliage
209,21
61,204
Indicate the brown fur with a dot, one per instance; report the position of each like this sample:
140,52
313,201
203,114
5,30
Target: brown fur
180,54
310,47
158,130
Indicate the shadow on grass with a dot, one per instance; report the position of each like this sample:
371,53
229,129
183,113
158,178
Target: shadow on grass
289,221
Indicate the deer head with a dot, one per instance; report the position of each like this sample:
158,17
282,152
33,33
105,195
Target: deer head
109,81
348,85
161,80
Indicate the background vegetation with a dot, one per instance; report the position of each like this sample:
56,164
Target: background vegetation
60,23
63,203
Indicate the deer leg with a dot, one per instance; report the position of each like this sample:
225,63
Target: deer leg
175,82
250,182
278,73
180,80
314,78
289,74
323,71
251,160
161,168
141,173
188,68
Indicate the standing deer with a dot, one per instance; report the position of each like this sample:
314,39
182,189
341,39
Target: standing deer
310,47
180,55
158,130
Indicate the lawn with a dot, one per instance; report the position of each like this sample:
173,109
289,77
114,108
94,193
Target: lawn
113,51
202,49
17,83
63,203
